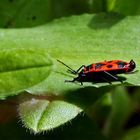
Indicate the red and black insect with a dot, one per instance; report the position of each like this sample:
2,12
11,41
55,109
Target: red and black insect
106,71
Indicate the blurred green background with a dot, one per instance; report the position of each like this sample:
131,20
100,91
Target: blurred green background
23,13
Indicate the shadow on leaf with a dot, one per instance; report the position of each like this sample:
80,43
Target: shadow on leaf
86,96
104,20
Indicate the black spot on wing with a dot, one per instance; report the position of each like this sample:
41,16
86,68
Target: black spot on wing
121,64
89,67
109,61
109,66
99,65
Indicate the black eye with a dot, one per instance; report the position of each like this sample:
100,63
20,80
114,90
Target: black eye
132,64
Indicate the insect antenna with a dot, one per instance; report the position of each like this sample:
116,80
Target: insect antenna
69,68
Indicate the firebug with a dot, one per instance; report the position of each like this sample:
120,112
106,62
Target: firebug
105,71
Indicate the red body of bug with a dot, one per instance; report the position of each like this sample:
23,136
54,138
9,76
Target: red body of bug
102,71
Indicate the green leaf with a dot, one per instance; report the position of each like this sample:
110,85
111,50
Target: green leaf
88,39
21,68
126,7
41,115
80,40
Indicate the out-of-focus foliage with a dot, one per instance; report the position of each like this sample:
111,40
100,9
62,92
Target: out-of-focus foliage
125,7
24,13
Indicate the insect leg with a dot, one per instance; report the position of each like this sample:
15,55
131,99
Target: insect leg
75,72
74,81
114,77
80,68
